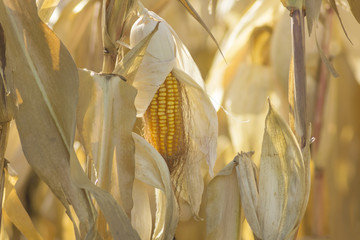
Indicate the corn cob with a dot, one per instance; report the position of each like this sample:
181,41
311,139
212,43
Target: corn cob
164,122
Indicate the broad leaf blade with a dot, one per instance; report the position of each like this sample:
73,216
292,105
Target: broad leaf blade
46,78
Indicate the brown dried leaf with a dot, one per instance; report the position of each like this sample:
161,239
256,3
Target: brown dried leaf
223,205
132,60
46,78
355,9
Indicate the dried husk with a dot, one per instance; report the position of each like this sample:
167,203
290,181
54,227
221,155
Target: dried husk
275,204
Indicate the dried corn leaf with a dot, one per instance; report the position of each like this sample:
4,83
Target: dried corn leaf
16,212
46,8
141,218
116,218
247,173
223,205
355,8
106,116
151,169
46,78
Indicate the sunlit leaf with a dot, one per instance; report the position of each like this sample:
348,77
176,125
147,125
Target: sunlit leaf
141,218
223,205
151,169
46,8
119,223
47,83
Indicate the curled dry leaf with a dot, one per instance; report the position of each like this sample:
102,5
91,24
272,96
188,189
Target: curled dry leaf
275,205
152,170
223,205
46,79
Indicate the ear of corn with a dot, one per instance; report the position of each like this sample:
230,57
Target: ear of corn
164,122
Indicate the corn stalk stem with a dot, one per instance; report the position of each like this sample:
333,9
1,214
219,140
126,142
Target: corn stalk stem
297,78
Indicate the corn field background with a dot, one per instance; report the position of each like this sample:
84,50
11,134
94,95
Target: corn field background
180,119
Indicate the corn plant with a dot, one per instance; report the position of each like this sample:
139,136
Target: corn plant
114,133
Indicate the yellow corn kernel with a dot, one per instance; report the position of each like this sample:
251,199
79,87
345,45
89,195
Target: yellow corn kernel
164,122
